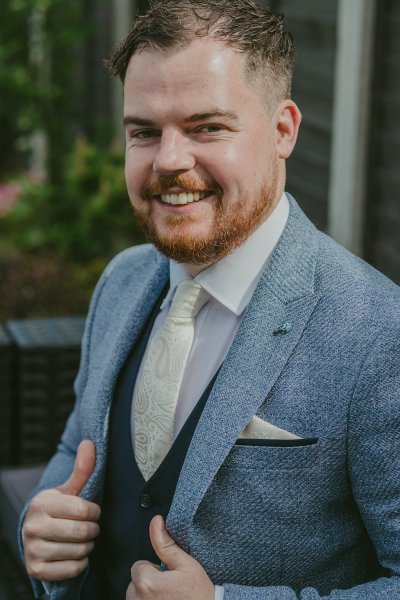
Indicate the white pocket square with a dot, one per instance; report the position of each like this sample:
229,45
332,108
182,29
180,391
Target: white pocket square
263,430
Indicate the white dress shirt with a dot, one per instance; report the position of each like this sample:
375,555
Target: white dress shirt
231,283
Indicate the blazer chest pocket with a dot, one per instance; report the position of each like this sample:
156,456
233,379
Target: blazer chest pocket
279,455
261,496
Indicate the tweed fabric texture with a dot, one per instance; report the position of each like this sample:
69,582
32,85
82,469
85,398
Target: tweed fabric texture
267,522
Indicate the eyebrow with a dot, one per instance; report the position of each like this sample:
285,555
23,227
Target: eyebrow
133,120
212,114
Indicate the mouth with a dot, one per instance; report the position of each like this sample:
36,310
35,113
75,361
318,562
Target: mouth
183,197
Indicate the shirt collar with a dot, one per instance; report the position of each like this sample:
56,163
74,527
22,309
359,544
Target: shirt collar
233,279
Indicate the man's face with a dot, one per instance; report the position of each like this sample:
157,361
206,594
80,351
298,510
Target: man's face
202,164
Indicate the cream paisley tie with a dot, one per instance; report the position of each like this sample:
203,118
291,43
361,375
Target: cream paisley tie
161,377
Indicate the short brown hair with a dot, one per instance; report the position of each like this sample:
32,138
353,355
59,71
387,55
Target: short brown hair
241,24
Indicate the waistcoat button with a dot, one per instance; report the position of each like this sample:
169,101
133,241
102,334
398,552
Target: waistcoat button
145,500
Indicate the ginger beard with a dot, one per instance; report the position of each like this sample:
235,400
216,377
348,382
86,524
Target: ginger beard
232,224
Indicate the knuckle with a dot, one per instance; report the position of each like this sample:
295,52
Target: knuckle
38,505
30,529
35,569
143,583
35,504
135,570
77,567
38,551
34,549
36,527
38,502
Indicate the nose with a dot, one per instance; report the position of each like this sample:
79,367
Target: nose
174,154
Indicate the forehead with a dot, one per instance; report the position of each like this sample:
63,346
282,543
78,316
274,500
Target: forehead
202,56
203,70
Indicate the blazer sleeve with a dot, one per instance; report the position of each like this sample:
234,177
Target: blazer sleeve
374,470
61,465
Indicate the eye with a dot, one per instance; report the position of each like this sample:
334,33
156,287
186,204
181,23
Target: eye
210,128
143,135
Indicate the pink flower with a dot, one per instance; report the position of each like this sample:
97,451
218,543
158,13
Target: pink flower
9,194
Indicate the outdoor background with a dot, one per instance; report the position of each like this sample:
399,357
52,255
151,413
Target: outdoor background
64,210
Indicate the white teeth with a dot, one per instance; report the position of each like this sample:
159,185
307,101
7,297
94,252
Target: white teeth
183,197
199,196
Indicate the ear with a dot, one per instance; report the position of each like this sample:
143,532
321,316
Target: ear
288,118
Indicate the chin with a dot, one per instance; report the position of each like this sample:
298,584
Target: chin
184,236
183,247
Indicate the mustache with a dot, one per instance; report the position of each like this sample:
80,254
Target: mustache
164,183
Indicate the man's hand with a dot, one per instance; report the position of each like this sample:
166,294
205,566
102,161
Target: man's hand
60,527
185,579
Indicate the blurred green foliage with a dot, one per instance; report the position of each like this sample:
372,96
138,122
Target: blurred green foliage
84,214
64,227
40,43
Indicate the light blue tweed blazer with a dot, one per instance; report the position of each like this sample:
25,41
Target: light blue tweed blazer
276,522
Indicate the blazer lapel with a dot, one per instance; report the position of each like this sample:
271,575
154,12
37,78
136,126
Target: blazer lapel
134,306
274,321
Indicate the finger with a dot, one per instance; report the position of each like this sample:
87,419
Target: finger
60,530
61,506
145,578
85,463
41,550
165,546
58,570
142,565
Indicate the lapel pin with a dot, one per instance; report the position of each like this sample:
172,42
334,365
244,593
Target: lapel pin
283,329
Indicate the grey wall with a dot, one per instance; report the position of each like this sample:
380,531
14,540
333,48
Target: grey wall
314,32
383,217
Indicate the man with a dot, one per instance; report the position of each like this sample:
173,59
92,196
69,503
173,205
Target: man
274,454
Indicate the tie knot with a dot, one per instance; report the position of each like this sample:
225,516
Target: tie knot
188,299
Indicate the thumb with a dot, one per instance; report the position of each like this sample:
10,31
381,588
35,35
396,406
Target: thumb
85,463
165,547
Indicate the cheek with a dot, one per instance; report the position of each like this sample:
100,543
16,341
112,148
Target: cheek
230,157
134,172
240,166
225,167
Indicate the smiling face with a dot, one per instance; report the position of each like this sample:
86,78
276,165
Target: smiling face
204,157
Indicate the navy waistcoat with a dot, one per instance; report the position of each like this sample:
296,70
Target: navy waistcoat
129,501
